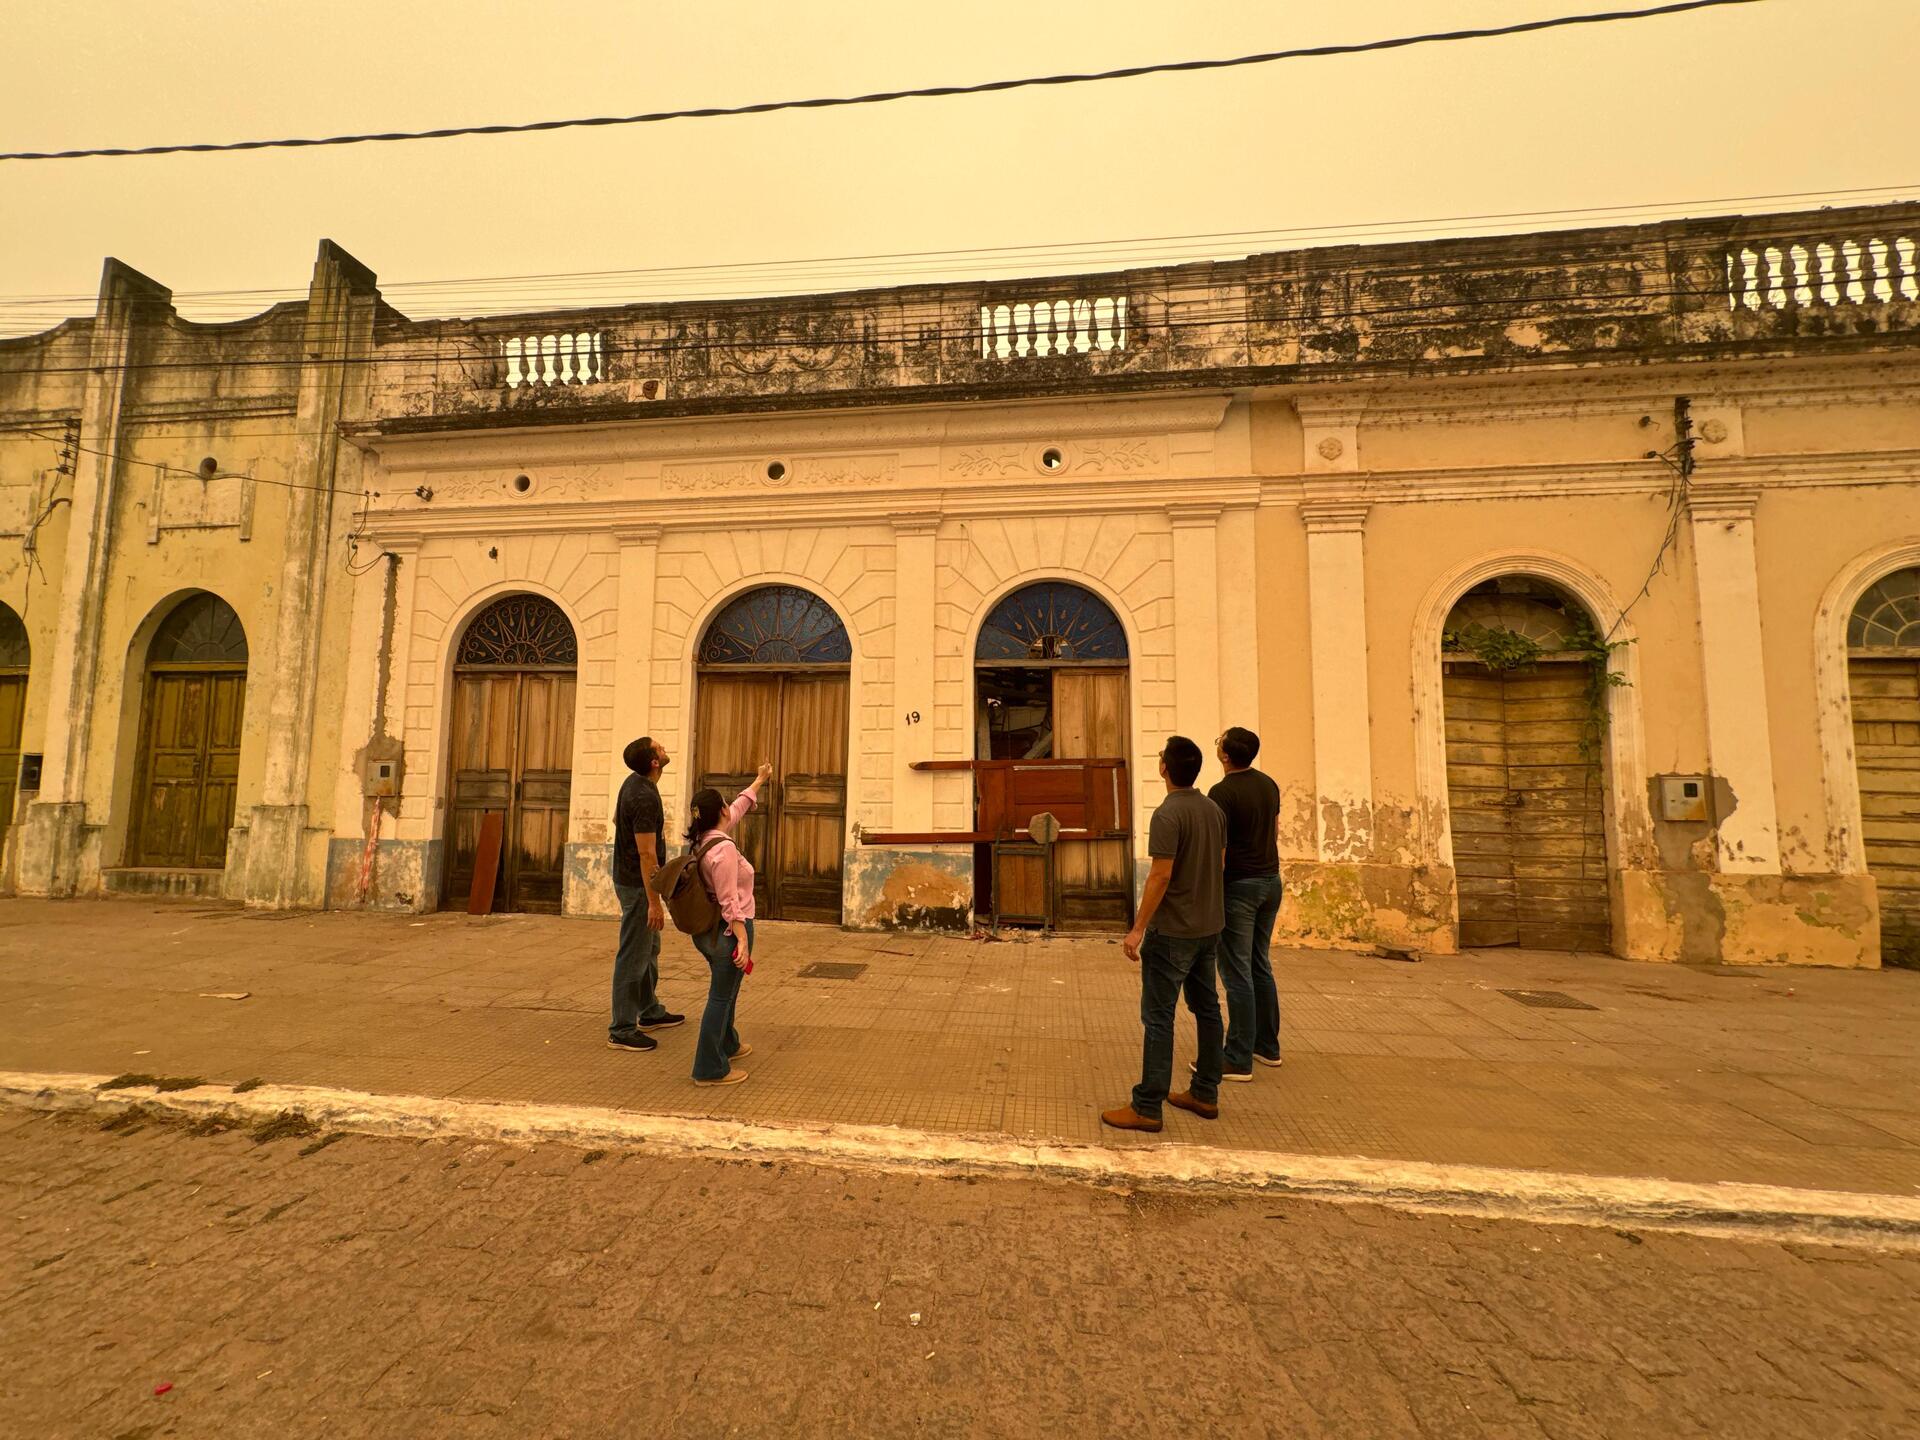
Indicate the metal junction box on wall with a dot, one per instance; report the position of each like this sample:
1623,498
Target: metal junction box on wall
1683,797
382,777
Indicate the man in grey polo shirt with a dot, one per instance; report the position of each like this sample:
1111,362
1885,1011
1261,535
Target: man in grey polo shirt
1174,937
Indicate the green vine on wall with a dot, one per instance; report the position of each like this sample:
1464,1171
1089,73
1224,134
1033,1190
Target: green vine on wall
1501,649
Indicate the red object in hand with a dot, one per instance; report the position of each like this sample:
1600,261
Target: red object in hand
163,1387
747,969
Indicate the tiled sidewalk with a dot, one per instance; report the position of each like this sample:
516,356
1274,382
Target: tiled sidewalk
1805,1078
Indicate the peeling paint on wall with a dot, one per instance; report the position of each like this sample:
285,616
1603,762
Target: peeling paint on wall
889,889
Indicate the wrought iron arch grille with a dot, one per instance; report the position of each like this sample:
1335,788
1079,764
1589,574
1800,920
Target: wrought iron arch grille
776,625
1051,620
1888,615
202,630
521,632
15,652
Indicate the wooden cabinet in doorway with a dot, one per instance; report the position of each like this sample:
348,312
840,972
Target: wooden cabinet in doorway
512,755
189,767
795,839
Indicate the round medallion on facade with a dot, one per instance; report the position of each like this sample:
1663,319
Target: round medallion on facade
1714,432
1331,448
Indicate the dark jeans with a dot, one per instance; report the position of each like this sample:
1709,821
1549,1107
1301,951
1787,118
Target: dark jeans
1167,967
1253,1004
636,966
713,1051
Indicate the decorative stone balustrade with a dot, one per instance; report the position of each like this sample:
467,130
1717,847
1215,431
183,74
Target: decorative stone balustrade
1028,329
570,358
1827,271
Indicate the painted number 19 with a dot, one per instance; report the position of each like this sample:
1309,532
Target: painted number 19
913,717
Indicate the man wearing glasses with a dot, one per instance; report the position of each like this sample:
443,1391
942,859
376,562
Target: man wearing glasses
1182,912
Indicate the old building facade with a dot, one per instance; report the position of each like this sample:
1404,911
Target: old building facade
1572,581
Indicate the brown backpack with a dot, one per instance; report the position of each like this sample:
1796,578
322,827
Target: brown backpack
683,889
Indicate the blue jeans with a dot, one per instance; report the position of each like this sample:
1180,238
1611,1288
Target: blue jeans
1167,967
713,1051
636,966
1253,1004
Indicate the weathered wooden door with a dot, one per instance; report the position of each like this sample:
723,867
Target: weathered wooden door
1090,723
189,767
795,837
1526,807
512,754
13,713
1886,748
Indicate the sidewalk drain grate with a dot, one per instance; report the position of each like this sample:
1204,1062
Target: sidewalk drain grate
833,970
1548,1000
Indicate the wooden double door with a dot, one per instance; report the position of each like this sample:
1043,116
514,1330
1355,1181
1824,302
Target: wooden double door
512,757
795,838
189,767
1526,804
1886,749
1092,889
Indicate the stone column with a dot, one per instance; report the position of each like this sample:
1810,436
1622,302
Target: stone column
56,829
1196,630
913,644
633,656
338,328
1342,716
1739,742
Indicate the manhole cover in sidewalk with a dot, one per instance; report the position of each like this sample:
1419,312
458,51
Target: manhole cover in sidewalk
1548,1000
833,970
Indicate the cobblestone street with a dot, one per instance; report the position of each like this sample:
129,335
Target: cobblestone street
347,1286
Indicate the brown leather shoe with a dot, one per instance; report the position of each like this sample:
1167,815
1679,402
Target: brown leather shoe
1127,1118
1206,1110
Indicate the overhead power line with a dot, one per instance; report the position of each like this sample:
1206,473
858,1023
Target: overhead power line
767,107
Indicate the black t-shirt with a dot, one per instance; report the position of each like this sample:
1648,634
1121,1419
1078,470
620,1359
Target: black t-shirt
638,812
1251,802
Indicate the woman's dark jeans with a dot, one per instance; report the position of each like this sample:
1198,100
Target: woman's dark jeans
718,1040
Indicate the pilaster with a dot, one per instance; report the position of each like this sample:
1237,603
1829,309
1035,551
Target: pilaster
1739,740
1196,627
1342,713
633,656
913,668
54,832
1239,623
338,326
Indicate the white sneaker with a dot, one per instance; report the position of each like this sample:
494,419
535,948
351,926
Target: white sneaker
1243,1076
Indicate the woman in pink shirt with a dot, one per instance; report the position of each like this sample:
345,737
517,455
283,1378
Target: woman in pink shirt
729,945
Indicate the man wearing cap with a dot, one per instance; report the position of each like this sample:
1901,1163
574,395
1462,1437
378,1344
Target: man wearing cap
639,849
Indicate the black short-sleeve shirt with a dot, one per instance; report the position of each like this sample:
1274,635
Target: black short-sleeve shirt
1251,803
638,812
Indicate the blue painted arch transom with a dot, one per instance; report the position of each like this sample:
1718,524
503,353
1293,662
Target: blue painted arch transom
776,625
1051,620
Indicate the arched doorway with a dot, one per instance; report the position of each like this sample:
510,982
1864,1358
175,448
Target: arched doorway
1883,680
189,756
15,658
1051,733
1524,682
771,684
511,754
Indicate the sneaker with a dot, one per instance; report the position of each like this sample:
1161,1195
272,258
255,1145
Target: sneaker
665,1022
1127,1118
632,1042
744,1050
732,1077
1205,1109
1243,1076
1265,1060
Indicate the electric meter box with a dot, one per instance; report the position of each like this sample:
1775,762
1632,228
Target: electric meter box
383,777
1683,797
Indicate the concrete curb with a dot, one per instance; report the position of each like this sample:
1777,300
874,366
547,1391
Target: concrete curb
1730,1210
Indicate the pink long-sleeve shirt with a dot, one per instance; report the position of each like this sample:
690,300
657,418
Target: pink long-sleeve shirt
727,869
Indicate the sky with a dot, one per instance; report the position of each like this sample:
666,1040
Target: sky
1778,97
